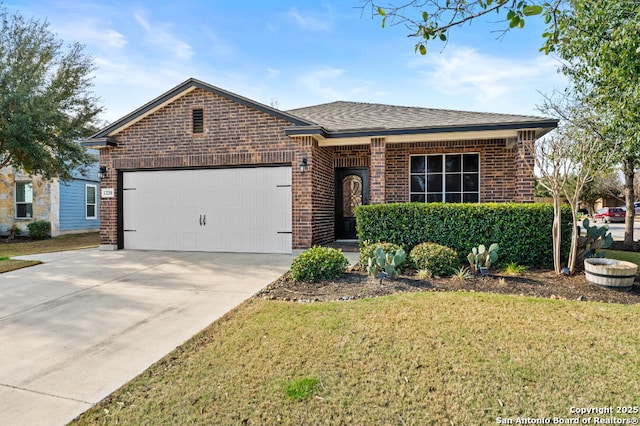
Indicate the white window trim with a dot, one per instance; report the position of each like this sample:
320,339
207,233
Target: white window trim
86,204
15,199
444,154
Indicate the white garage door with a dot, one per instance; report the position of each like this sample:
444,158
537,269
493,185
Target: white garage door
231,210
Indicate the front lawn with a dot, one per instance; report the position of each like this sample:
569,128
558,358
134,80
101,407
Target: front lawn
629,256
413,358
66,242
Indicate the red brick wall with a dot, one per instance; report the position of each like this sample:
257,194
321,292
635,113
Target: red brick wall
378,171
302,194
524,161
233,135
351,156
108,206
323,195
497,167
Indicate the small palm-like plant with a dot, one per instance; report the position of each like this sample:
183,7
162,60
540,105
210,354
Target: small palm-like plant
463,273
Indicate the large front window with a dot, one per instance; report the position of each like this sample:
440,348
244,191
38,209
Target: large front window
24,200
449,178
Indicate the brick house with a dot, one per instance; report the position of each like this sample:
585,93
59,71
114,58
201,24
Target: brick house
203,169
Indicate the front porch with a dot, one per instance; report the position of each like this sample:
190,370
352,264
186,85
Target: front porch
340,177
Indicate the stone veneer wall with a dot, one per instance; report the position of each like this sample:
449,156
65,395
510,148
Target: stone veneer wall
45,200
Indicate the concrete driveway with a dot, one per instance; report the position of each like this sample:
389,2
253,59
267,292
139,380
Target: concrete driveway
85,322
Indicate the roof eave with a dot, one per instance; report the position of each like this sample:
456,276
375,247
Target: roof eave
306,131
97,143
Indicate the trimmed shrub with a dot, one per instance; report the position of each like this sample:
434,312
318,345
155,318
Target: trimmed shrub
40,229
440,260
317,264
523,231
367,248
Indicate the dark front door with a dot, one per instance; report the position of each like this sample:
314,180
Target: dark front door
352,190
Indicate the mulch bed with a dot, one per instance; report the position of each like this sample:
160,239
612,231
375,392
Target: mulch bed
15,240
537,283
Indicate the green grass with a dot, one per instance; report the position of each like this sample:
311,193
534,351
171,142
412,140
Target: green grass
300,389
421,358
629,256
7,265
66,242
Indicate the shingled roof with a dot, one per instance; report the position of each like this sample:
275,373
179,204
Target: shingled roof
356,118
353,122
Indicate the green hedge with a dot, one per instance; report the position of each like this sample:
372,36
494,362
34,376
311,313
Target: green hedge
523,231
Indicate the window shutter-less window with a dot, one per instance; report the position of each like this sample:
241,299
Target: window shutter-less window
24,200
450,178
90,201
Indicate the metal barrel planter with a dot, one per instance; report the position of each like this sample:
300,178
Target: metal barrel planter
610,273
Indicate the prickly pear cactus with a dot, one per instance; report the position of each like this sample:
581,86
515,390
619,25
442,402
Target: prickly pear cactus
391,263
480,257
595,238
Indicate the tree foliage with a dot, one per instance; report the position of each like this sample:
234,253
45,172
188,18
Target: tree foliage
432,20
602,57
569,160
45,101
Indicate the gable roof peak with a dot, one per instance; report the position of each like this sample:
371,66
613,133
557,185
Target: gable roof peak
181,90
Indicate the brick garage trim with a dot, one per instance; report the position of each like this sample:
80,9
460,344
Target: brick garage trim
234,135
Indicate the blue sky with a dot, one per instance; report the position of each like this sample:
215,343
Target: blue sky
295,54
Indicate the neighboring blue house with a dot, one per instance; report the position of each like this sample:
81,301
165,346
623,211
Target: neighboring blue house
71,206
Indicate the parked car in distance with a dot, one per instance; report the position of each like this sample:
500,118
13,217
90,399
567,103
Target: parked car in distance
610,214
636,206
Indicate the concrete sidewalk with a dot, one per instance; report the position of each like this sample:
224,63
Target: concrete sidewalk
82,324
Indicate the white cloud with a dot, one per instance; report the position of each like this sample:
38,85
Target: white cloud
487,80
161,35
142,86
142,20
91,31
308,22
220,48
322,82
331,84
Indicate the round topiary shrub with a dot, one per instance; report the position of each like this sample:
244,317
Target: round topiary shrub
317,264
367,249
440,260
40,229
